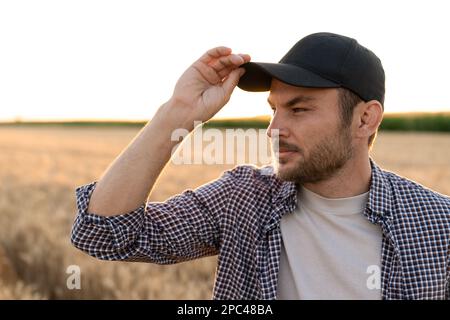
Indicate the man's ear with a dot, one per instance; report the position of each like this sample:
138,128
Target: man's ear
368,116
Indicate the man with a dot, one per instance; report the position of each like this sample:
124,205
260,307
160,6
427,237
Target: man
324,223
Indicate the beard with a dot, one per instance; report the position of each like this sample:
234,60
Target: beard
324,160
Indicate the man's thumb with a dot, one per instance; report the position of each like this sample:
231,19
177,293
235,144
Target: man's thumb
232,80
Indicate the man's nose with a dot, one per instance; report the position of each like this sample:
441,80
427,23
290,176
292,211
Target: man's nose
277,127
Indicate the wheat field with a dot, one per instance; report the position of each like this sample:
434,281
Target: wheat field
41,167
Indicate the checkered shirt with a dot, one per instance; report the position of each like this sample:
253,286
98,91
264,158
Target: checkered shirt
237,217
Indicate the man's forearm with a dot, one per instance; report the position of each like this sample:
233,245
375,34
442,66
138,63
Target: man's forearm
128,181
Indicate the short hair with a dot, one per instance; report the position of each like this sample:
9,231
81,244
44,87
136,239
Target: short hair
347,102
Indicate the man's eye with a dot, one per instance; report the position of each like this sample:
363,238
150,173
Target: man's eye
297,110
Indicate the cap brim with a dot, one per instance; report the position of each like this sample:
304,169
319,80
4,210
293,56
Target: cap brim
258,77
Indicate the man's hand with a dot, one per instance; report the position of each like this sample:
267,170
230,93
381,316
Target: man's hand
202,90
206,86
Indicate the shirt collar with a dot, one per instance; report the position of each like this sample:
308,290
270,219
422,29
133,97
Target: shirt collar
379,205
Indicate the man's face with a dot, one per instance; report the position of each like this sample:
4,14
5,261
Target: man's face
313,145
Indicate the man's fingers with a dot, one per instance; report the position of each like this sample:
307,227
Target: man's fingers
215,53
232,80
224,73
229,62
207,72
217,63
246,57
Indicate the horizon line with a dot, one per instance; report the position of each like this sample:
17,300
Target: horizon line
134,120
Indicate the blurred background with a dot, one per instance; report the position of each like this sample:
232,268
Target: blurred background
79,79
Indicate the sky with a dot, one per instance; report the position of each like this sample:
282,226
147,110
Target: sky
96,59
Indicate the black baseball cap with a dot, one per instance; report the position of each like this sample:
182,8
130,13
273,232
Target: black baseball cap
322,60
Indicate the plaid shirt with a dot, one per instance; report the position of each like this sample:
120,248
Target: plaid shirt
238,217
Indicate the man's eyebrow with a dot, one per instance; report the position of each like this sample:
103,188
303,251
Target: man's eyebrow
294,101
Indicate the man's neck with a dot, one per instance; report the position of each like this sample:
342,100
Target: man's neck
351,180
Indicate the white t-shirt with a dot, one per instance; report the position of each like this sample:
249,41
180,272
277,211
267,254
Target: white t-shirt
330,250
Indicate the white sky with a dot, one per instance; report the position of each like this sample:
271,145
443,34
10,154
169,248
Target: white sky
120,59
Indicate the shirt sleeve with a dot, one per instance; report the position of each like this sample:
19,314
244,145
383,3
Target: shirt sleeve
184,227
